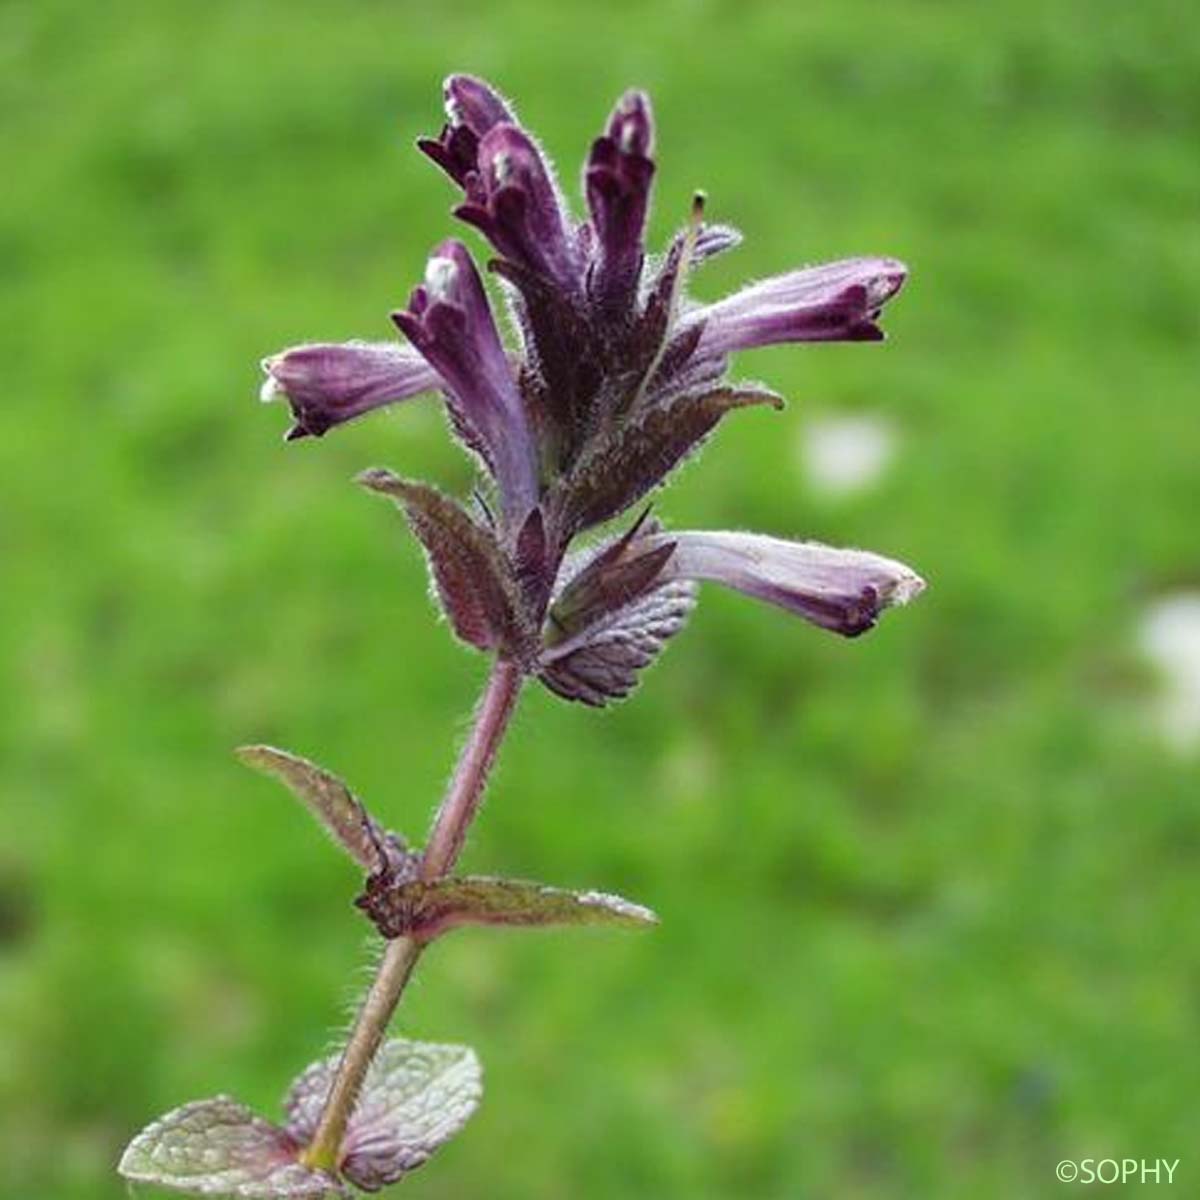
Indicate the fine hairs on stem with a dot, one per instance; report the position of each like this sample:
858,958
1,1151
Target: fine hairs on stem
399,960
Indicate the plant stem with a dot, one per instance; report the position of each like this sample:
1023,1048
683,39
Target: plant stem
395,968
465,792
446,840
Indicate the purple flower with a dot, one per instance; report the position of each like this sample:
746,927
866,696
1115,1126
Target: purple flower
841,590
448,320
472,108
617,183
616,378
511,196
837,302
326,383
513,201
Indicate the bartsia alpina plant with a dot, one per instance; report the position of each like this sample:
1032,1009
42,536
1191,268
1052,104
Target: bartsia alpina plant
611,379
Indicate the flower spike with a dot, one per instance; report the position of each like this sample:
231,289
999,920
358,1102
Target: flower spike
615,380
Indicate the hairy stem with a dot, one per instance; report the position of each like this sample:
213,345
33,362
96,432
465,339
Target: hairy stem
370,1026
454,818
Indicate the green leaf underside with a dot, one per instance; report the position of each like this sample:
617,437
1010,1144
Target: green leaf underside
324,795
219,1147
416,1097
427,910
473,580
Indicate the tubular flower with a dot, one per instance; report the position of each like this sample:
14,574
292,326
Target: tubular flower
449,322
327,384
841,590
838,302
617,185
615,379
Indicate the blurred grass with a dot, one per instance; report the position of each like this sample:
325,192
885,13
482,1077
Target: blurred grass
929,898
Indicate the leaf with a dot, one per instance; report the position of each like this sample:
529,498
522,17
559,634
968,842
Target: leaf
602,662
622,571
427,910
327,798
416,1097
643,449
471,575
220,1147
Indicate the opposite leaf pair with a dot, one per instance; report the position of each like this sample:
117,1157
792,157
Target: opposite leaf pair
416,1097
403,904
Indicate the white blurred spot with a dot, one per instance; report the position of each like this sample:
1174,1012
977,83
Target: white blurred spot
1170,637
440,276
502,168
843,455
270,389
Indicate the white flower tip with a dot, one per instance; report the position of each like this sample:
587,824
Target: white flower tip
440,277
906,588
271,389
502,167
889,280
454,112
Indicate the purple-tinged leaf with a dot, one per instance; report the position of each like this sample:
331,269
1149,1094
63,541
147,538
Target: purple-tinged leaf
663,300
635,457
329,383
415,1098
619,573
602,662
221,1148
339,811
426,910
841,590
471,574
531,560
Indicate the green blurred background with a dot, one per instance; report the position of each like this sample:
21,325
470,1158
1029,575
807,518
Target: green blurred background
928,898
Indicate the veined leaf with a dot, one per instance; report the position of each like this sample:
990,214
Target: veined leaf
601,663
426,910
327,798
620,572
644,449
471,575
219,1147
415,1098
